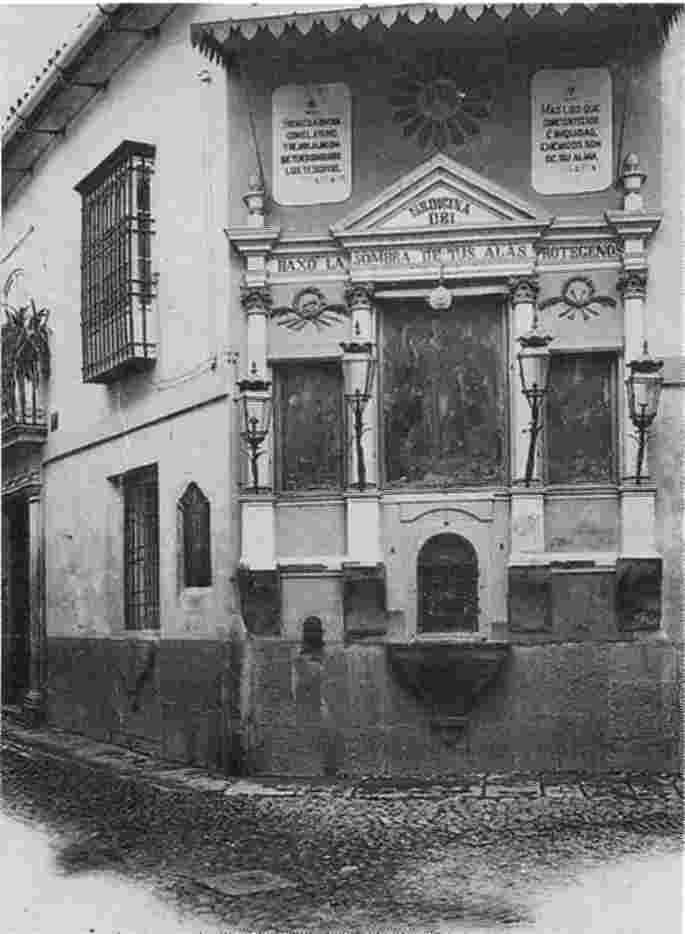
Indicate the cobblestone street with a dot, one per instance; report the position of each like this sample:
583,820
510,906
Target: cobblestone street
489,853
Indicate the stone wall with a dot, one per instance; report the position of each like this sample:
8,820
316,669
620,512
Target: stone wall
558,707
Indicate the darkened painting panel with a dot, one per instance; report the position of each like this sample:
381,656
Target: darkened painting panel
580,419
310,426
444,394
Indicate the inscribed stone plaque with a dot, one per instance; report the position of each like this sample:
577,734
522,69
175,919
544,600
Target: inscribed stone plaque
571,130
312,143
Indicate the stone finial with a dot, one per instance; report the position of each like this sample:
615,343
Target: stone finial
631,180
254,201
524,290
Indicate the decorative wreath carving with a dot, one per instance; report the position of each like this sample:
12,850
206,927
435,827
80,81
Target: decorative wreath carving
309,307
579,296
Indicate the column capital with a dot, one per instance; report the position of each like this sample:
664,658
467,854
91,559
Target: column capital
632,283
359,294
256,299
524,289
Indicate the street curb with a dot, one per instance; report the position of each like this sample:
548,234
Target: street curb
580,787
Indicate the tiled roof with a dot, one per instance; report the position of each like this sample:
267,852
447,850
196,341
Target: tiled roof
50,67
223,38
103,42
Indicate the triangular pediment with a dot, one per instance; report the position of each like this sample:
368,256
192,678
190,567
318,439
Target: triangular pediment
437,194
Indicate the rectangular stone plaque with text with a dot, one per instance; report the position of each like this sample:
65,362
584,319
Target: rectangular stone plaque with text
312,144
571,130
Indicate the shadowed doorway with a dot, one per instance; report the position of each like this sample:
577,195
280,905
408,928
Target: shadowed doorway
15,600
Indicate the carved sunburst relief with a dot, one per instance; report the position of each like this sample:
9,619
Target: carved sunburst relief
438,102
309,307
579,296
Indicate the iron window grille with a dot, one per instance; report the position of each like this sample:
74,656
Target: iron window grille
195,529
141,549
117,283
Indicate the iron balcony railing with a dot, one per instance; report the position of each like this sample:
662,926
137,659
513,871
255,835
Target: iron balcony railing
23,416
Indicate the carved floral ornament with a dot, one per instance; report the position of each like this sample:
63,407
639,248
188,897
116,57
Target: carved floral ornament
579,297
256,298
524,289
439,101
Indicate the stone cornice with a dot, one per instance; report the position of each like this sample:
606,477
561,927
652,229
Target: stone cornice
402,237
632,224
27,484
253,241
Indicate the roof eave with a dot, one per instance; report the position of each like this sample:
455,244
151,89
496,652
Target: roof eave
51,77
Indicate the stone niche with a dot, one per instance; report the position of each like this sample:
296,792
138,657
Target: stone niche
260,601
364,603
409,525
311,590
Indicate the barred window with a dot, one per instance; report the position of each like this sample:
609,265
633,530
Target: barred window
194,524
581,418
141,548
309,426
117,284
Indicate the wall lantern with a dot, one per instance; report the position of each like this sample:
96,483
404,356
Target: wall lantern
255,418
534,358
359,369
643,386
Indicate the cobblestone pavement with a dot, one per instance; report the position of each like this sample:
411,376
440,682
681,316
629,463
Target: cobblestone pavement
471,854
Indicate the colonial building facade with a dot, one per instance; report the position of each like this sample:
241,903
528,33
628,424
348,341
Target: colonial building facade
351,442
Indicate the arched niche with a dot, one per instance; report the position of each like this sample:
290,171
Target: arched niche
447,585
195,538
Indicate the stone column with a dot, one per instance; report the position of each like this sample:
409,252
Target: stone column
527,506
359,298
34,702
258,520
523,293
632,286
638,505
363,508
256,302
634,226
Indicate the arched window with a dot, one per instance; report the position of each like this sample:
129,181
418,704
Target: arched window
447,569
194,526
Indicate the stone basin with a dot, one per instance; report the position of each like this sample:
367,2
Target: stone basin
447,675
